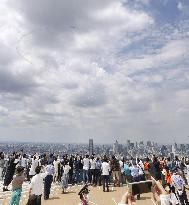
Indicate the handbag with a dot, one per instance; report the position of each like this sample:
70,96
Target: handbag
32,200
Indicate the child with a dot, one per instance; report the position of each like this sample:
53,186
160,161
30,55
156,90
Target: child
84,195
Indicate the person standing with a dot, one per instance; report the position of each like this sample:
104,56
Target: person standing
36,187
135,174
17,182
2,163
98,171
65,176
179,184
56,164
86,166
92,170
34,164
105,173
13,161
147,169
48,180
127,172
115,168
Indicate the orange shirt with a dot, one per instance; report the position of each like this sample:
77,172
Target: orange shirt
168,177
146,166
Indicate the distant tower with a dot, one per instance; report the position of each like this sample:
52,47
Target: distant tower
115,147
90,146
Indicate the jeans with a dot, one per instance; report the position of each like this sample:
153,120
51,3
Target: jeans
47,186
85,175
98,177
78,175
105,179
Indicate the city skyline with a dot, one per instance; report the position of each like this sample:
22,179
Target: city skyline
107,70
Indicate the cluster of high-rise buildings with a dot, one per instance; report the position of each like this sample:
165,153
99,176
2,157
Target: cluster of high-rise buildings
134,149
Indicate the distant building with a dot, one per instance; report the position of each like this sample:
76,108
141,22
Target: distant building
115,147
91,149
149,144
128,143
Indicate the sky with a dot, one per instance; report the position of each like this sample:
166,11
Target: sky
102,69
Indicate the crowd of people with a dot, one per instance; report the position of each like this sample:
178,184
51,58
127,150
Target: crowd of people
170,176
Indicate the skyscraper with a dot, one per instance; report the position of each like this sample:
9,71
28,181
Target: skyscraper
91,146
115,147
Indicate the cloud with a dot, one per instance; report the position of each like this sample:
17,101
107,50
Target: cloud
91,97
16,83
71,69
170,54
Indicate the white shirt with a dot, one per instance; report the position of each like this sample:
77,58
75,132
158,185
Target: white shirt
86,164
165,199
173,199
55,163
66,169
121,166
187,169
33,166
105,168
23,162
37,183
93,164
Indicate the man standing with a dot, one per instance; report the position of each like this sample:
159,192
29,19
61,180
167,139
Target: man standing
115,168
135,174
105,173
36,187
179,184
86,166
48,180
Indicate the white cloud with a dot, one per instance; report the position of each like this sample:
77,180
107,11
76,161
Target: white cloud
180,6
88,73
170,54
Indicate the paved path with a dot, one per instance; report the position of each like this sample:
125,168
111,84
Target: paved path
97,196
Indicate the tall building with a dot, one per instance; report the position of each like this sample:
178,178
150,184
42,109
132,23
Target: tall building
149,144
115,147
91,149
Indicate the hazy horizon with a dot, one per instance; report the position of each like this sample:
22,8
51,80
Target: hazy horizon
112,69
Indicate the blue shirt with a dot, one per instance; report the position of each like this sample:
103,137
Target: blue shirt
134,171
50,169
126,169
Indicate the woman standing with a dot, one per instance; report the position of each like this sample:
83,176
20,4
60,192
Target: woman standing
17,186
13,161
65,177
